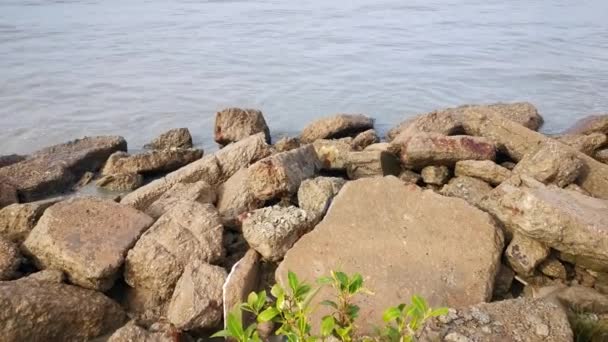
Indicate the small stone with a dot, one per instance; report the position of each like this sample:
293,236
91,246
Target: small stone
174,138
456,337
524,254
121,181
551,267
437,175
542,330
480,316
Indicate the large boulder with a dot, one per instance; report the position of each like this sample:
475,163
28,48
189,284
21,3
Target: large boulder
243,279
435,149
87,238
337,126
188,231
236,198
150,162
486,170
551,163
18,220
590,124
315,195
517,141
271,231
234,124
513,320
565,220
200,192
197,300
174,138
213,169
281,174
584,143
372,164
404,241
10,259
55,169
11,159
469,189
46,311
8,194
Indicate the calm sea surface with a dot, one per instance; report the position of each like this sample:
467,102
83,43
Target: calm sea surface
136,68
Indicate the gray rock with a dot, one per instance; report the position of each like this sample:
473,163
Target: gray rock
337,126
315,195
18,220
174,138
469,189
486,170
120,181
437,175
234,124
524,254
551,163
10,259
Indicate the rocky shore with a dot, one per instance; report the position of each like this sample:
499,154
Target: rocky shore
470,207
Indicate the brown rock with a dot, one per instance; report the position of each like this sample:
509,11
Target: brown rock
315,195
150,162
242,280
18,220
197,300
564,220
469,189
11,159
584,143
523,113
121,181
337,126
8,194
271,231
404,241
286,144
551,163
371,164
281,174
509,320
87,238
433,149
10,259
551,267
486,170
131,332
173,138
48,275
437,175
213,169
45,311
234,124
333,154
524,254
55,169
200,192
364,139
410,176
590,124
577,188
236,198
601,156
576,298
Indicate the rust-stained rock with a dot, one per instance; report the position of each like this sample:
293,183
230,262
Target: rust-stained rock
315,195
236,198
333,154
87,238
47,311
434,149
10,259
120,181
242,280
404,241
523,254
55,169
372,164
364,139
551,163
437,175
173,138
584,143
197,300
234,124
18,220
281,174
486,170
337,126
150,162
590,124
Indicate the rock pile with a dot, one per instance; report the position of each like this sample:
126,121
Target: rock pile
469,207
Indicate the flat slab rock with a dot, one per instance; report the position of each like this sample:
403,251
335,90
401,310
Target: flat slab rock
404,241
506,321
150,162
87,238
55,169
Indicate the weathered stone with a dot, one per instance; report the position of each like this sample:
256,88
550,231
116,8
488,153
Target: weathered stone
564,220
576,298
242,280
383,146
551,267
365,139
523,113
590,124
87,238
517,141
504,280
577,188
434,149
551,164
11,159
410,176
337,126
524,254
486,170
601,156
131,332
121,181
271,231
48,275
469,189
197,300
404,241
173,138
437,175
10,259
188,231
286,144
315,195
236,198
281,174
583,276
213,169
86,178
8,194
586,144
150,162
333,154
18,220
55,169
234,124
509,320
46,311
200,192
371,164
441,122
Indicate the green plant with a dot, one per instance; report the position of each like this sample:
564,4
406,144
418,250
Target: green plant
403,321
588,327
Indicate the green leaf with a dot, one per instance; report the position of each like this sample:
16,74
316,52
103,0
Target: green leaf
276,290
327,325
222,333
268,314
234,326
293,281
438,312
352,311
252,299
306,302
355,284
302,290
342,279
261,300
247,307
391,314
280,302
330,303
420,303
324,280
